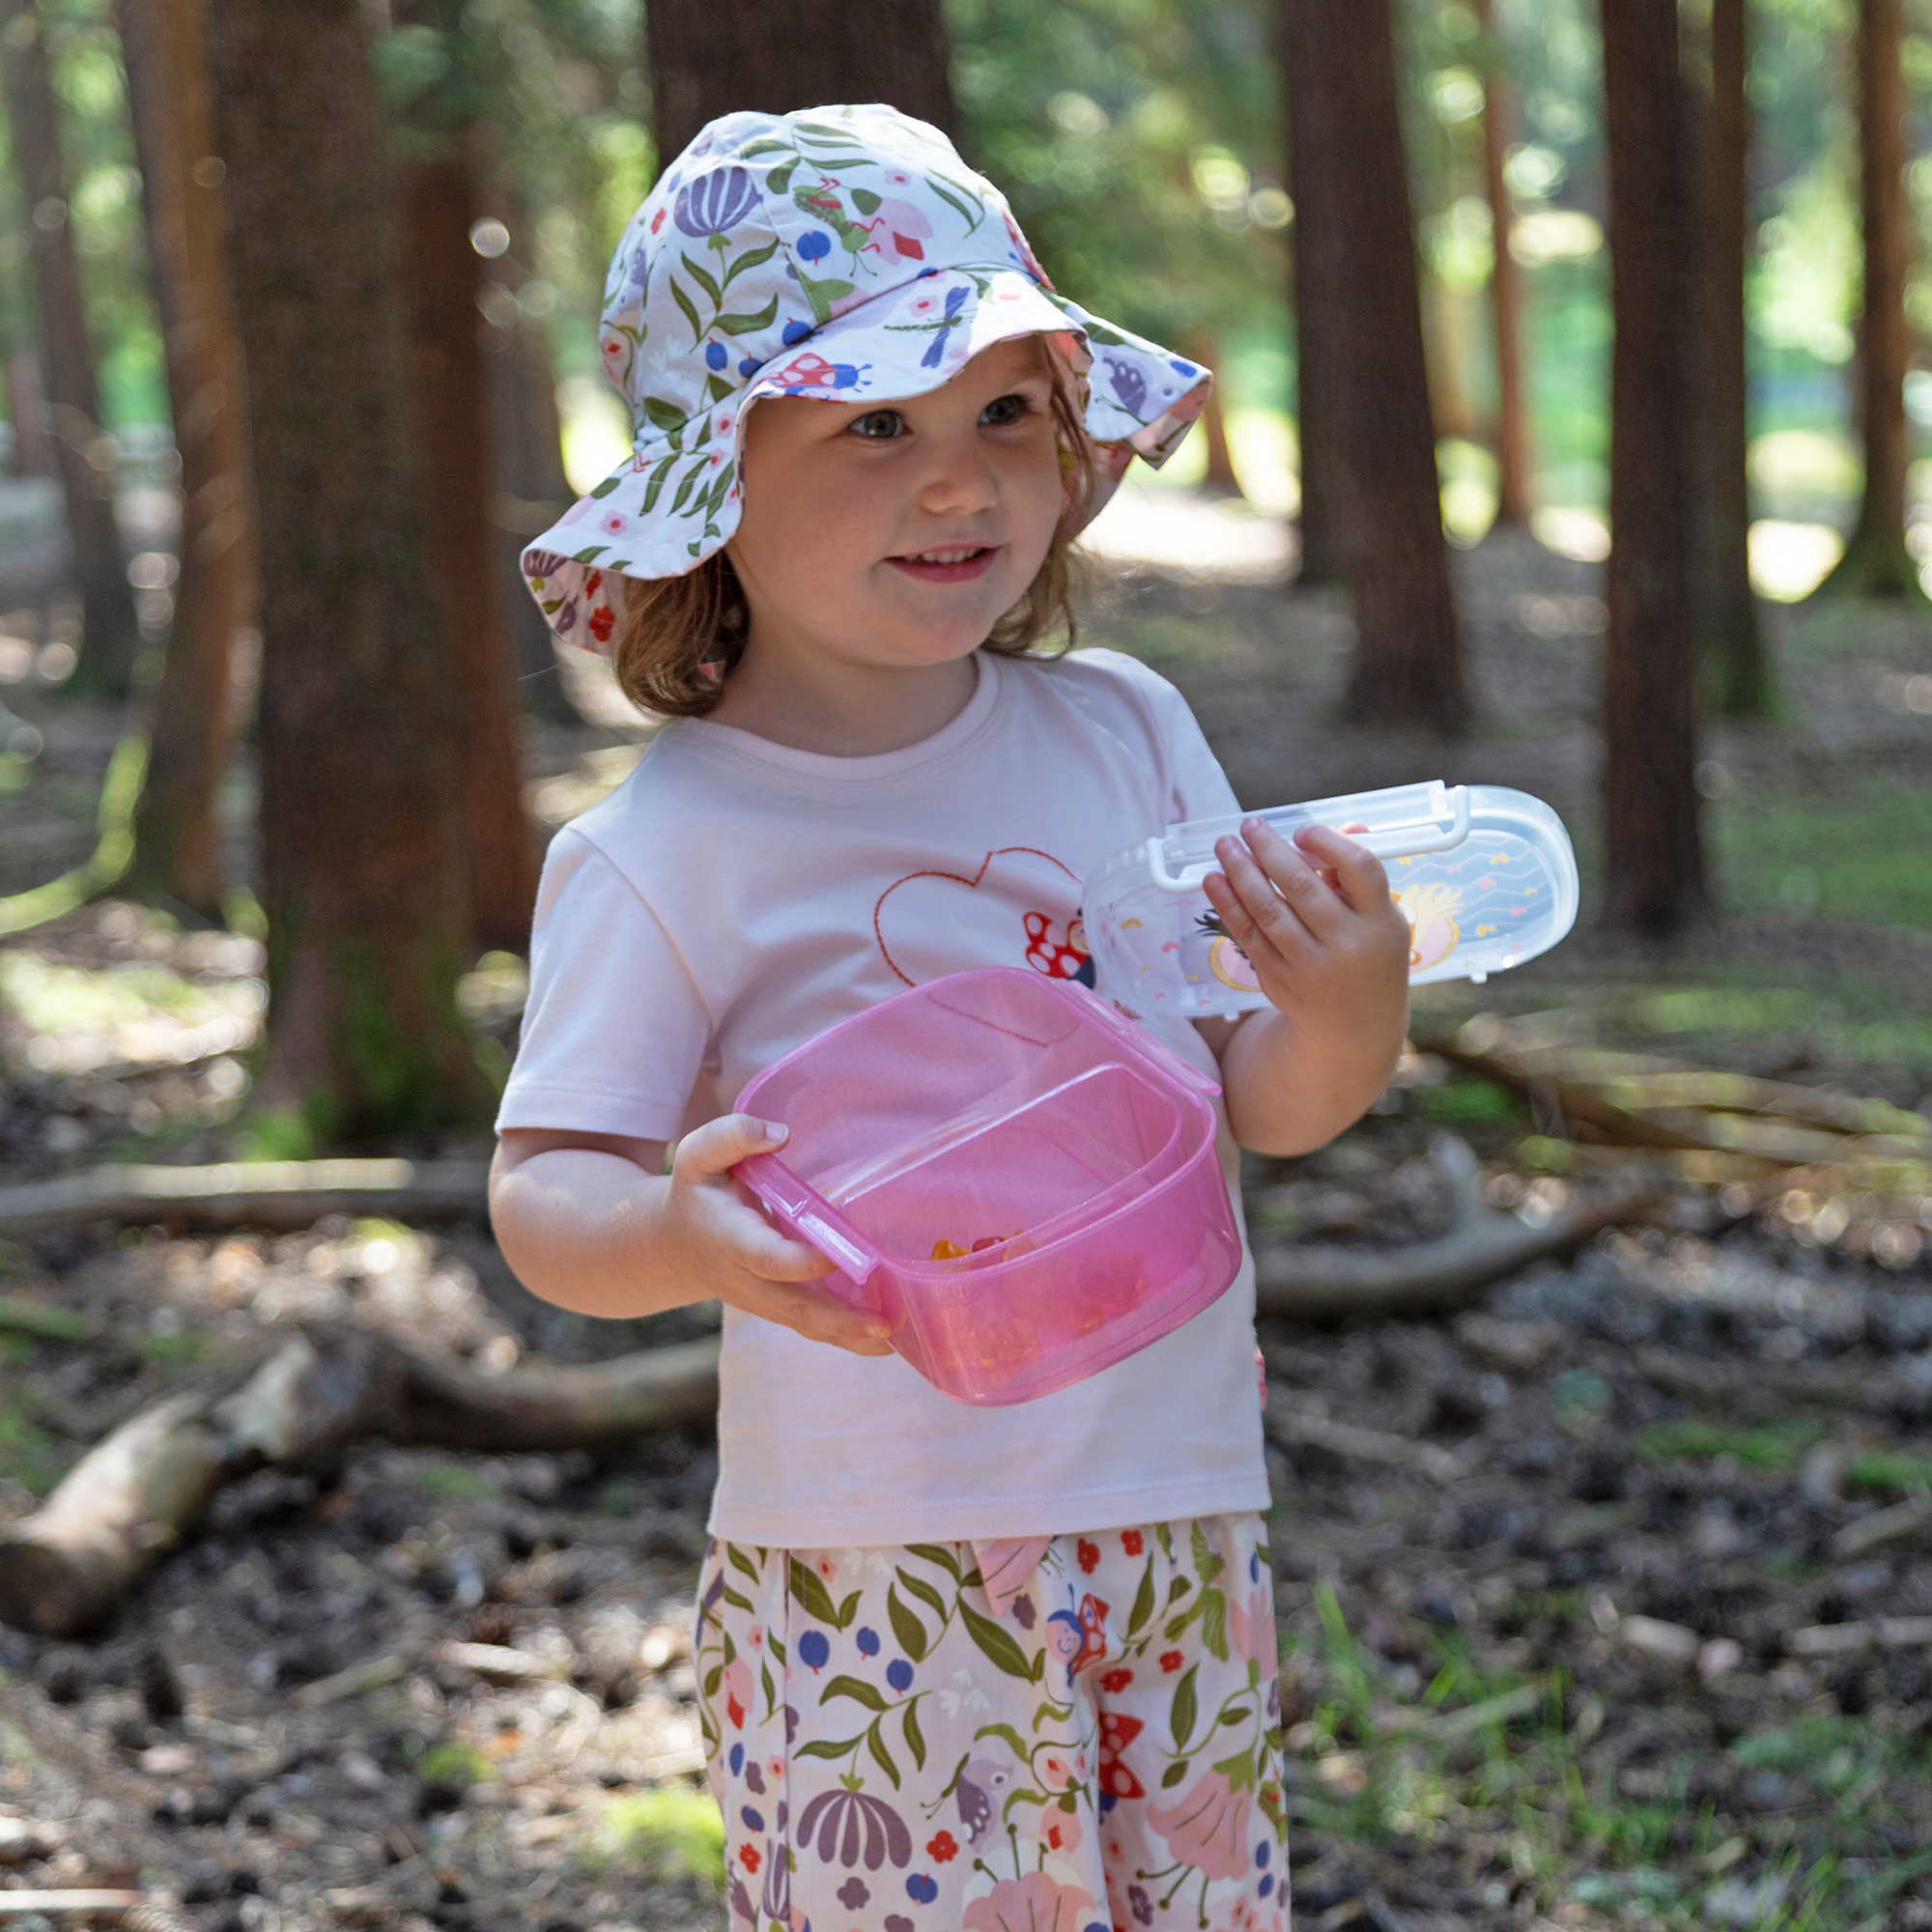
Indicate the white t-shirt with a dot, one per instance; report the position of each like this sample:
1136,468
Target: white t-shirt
733,898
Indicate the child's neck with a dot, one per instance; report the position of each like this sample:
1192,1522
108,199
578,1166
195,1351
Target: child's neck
843,710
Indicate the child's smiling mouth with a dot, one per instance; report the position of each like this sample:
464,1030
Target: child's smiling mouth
946,563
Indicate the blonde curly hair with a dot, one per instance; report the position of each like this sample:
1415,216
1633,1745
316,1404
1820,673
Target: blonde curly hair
680,638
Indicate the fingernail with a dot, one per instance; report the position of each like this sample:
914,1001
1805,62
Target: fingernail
776,1131
1253,828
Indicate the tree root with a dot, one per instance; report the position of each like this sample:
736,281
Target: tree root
142,1489
1327,1284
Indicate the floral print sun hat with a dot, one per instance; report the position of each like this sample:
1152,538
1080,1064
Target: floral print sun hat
841,253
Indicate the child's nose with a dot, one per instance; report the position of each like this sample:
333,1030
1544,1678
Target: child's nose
961,481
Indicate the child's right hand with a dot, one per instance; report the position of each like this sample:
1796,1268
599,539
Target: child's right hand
717,1231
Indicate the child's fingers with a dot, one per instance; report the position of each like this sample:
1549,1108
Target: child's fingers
1282,891
1360,877
771,1256
1257,917
820,1317
710,1150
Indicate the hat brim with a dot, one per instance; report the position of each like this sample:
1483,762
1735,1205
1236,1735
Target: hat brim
679,496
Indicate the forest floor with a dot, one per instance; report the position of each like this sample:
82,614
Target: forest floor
1614,1624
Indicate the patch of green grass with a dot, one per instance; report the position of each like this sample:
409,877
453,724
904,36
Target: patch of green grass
28,1455
1531,1779
672,1831
454,1766
1468,1101
455,1482
181,1350
1858,855
1758,1446
1886,1471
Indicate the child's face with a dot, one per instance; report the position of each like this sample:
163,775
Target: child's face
896,534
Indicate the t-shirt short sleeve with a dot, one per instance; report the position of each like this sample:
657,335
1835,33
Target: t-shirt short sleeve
614,1032
1198,787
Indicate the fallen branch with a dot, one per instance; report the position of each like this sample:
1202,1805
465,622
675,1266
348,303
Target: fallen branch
258,1194
1288,1422
143,1489
1482,1246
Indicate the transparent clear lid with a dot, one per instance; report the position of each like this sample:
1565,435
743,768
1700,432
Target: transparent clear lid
1485,875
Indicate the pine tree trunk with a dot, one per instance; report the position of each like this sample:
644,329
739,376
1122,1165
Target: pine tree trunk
1876,562
1409,655
1320,316
706,59
1654,859
33,450
1218,479
526,456
450,387
1512,439
110,636
177,836
362,848
1736,671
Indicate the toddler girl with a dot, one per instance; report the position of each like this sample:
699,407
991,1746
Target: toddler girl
991,1668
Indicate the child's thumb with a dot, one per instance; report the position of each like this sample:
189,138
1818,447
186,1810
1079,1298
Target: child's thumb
723,1144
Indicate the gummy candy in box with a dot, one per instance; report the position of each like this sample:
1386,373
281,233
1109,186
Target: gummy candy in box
1483,876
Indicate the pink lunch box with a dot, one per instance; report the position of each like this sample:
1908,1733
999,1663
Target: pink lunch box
1022,1182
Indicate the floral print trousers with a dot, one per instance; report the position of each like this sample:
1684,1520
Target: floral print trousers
1090,1744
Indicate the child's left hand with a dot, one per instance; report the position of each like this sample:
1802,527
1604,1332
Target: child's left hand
1314,916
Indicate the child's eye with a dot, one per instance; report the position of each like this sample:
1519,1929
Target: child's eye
1004,410
877,425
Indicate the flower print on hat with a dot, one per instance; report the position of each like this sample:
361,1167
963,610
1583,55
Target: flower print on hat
837,253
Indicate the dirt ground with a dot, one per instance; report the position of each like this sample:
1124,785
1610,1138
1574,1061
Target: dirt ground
1607,1599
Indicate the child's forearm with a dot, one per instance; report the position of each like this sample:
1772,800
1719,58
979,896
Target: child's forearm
1289,1091
587,1231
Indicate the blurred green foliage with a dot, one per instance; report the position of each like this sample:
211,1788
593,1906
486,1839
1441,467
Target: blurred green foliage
1141,144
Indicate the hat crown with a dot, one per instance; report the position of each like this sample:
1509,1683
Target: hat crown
768,226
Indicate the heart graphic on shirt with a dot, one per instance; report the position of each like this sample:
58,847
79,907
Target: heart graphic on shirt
1021,907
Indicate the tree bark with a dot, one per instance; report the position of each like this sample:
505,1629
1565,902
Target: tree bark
453,455
1408,654
706,59
1511,440
527,444
176,835
1654,857
1876,562
1321,319
1729,645
362,848
1218,479
110,635
33,450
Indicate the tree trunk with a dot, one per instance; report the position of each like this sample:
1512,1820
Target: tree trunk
452,436
176,835
1512,440
110,636
1320,318
1409,656
527,443
33,450
705,60
1218,479
362,849
1654,858
1876,562
1736,671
